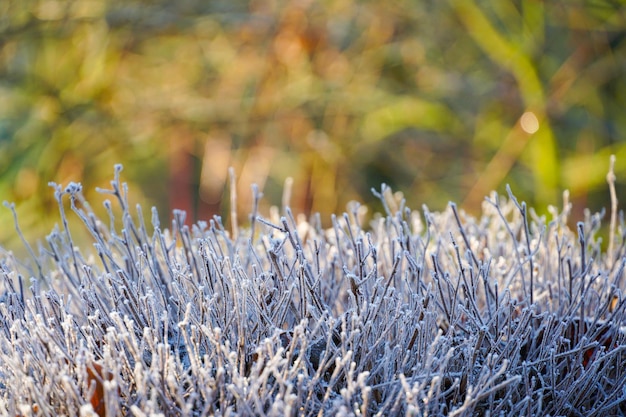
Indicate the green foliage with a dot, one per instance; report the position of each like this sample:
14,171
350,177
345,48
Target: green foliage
320,91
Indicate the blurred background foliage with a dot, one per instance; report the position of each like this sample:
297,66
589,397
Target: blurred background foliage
341,95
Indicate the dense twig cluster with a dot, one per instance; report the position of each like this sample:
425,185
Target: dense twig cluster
415,314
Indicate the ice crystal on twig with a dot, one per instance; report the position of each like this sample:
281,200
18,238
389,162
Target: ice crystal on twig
412,314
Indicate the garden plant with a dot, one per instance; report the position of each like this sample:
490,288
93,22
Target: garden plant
402,312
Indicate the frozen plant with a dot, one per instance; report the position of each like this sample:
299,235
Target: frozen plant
420,314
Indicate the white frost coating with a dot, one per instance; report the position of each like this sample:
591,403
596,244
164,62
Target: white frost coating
413,314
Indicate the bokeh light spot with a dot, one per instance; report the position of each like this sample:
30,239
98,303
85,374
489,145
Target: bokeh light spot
529,122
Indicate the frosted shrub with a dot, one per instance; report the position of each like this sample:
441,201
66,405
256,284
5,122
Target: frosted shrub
419,314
